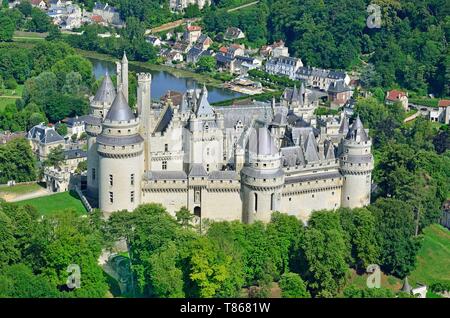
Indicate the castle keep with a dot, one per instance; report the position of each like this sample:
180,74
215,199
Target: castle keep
239,162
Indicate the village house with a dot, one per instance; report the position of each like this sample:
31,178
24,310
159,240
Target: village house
233,33
108,14
246,63
283,65
195,53
320,78
153,40
172,56
441,114
339,93
192,34
203,42
43,139
180,5
225,62
41,4
75,125
396,96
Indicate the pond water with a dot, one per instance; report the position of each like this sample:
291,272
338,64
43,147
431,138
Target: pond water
163,81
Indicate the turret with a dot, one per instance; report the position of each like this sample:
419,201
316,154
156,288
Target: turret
262,177
120,150
100,105
125,76
143,107
356,165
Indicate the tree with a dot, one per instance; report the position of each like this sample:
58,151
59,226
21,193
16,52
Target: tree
7,28
184,217
25,7
17,161
206,64
18,281
395,228
54,33
40,21
354,292
62,129
359,227
325,252
292,286
55,157
8,250
166,278
73,63
81,167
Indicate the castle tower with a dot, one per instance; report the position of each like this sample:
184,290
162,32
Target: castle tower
144,113
100,105
262,177
125,76
356,165
120,150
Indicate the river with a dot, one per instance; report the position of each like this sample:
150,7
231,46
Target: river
164,81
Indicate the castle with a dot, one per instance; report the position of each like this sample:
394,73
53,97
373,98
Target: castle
239,162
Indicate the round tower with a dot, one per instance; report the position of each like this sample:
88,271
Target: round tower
120,153
262,177
100,104
356,165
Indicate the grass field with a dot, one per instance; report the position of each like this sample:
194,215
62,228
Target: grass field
21,188
6,101
433,263
56,202
433,260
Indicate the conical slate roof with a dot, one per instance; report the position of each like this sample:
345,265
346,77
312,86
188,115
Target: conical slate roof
311,148
106,92
406,286
204,108
343,129
261,142
357,132
120,111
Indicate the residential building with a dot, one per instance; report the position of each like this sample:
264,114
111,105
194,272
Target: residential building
43,139
396,96
284,66
233,33
320,78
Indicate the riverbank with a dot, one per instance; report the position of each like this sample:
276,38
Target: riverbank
201,78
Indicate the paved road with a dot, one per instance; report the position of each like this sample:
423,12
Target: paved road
26,196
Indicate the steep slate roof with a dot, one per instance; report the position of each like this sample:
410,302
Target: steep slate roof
262,142
106,93
357,132
343,129
406,286
329,149
197,170
44,134
74,153
120,111
311,148
223,175
165,120
204,108
338,87
292,156
168,175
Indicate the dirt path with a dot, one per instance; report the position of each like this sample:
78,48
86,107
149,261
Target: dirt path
242,6
13,197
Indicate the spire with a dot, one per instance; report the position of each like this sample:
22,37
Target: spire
357,132
120,111
204,108
406,286
302,94
343,129
124,57
311,148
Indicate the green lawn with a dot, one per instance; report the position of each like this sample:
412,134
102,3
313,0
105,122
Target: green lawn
56,202
21,188
433,263
433,260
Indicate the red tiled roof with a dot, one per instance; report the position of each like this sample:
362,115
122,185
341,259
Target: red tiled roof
444,103
191,28
395,95
97,18
223,49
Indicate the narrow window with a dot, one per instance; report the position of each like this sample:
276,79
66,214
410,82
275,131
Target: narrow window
93,173
256,202
132,179
164,165
166,147
207,168
132,196
111,197
272,201
110,179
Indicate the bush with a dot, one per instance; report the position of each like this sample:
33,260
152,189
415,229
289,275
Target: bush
10,83
292,286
